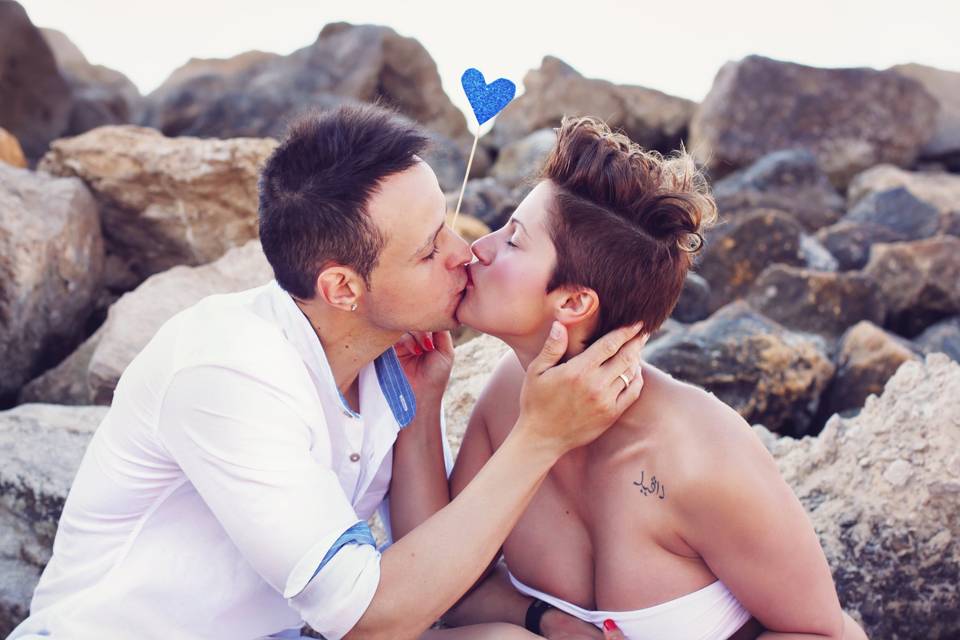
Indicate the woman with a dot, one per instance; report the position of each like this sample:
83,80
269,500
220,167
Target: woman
675,523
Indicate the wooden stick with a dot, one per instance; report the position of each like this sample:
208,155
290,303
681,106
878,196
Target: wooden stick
466,176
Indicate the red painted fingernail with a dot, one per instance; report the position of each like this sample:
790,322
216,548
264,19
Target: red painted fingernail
429,344
417,350
610,625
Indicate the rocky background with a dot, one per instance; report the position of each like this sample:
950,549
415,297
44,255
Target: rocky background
825,307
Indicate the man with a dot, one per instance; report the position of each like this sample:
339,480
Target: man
226,492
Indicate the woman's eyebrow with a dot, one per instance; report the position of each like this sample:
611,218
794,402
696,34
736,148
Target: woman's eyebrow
521,225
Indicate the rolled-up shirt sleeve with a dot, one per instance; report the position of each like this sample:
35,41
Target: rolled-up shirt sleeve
256,462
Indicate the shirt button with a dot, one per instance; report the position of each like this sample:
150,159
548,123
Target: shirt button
354,457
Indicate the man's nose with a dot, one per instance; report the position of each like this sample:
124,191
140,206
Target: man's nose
461,251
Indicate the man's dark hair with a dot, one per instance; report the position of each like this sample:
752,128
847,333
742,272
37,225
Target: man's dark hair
315,187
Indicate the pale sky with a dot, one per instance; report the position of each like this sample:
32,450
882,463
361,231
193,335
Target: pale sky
674,46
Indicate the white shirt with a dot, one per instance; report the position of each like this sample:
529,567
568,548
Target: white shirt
226,491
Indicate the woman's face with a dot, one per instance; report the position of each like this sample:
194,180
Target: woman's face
507,292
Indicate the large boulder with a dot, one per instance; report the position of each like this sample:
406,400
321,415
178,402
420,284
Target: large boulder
883,492
766,372
816,301
486,200
790,180
742,246
694,302
35,100
652,119
65,383
850,119
100,95
920,281
11,152
135,318
51,269
42,447
867,358
898,209
166,201
944,86
257,94
520,161
849,242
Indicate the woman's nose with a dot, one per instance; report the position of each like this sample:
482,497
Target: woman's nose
480,248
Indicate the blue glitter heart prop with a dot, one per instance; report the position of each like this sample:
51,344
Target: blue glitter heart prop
487,100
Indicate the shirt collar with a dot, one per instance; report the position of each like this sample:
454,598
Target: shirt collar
394,386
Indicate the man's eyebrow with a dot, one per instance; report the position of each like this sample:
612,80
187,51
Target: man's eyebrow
430,240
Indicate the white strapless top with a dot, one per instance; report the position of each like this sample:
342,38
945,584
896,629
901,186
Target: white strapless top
711,613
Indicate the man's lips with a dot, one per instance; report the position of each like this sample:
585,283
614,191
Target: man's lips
469,278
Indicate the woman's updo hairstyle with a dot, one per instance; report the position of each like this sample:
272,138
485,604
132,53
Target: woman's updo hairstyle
626,222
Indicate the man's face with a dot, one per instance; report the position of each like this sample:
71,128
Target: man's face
420,277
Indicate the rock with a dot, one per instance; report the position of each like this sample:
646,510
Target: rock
944,86
10,151
652,119
741,247
790,180
767,373
849,242
257,94
920,281
816,256
898,209
521,161
100,95
883,492
472,367
166,201
942,337
447,160
815,301
43,446
137,316
51,261
694,302
942,190
850,119
67,382
34,99
868,357
486,200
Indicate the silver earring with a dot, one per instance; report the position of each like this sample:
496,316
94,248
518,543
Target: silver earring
353,307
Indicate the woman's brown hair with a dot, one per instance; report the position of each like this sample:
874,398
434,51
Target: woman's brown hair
626,222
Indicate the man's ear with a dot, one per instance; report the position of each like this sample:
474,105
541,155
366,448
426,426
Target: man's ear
576,305
340,287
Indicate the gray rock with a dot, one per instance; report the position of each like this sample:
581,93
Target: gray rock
166,201
101,95
937,188
35,100
51,270
790,180
816,256
850,119
766,372
942,337
898,209
519,162
652,119
486,200
255,96
920,281
814,301
694,302
67,382
849,242
742,246
883,492
42,447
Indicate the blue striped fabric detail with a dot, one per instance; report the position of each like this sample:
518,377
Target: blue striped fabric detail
357,534
396,389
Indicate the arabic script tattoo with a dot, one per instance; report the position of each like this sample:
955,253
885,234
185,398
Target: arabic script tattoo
654,488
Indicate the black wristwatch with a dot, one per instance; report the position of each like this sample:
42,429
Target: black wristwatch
534,614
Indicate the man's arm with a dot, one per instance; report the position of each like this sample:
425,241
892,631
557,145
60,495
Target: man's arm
562,407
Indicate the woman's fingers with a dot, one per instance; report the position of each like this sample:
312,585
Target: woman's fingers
611,631
408,345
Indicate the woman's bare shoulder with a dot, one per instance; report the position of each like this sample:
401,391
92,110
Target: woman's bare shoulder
499,403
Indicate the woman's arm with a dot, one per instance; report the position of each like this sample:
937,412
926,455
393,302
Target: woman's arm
744,520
